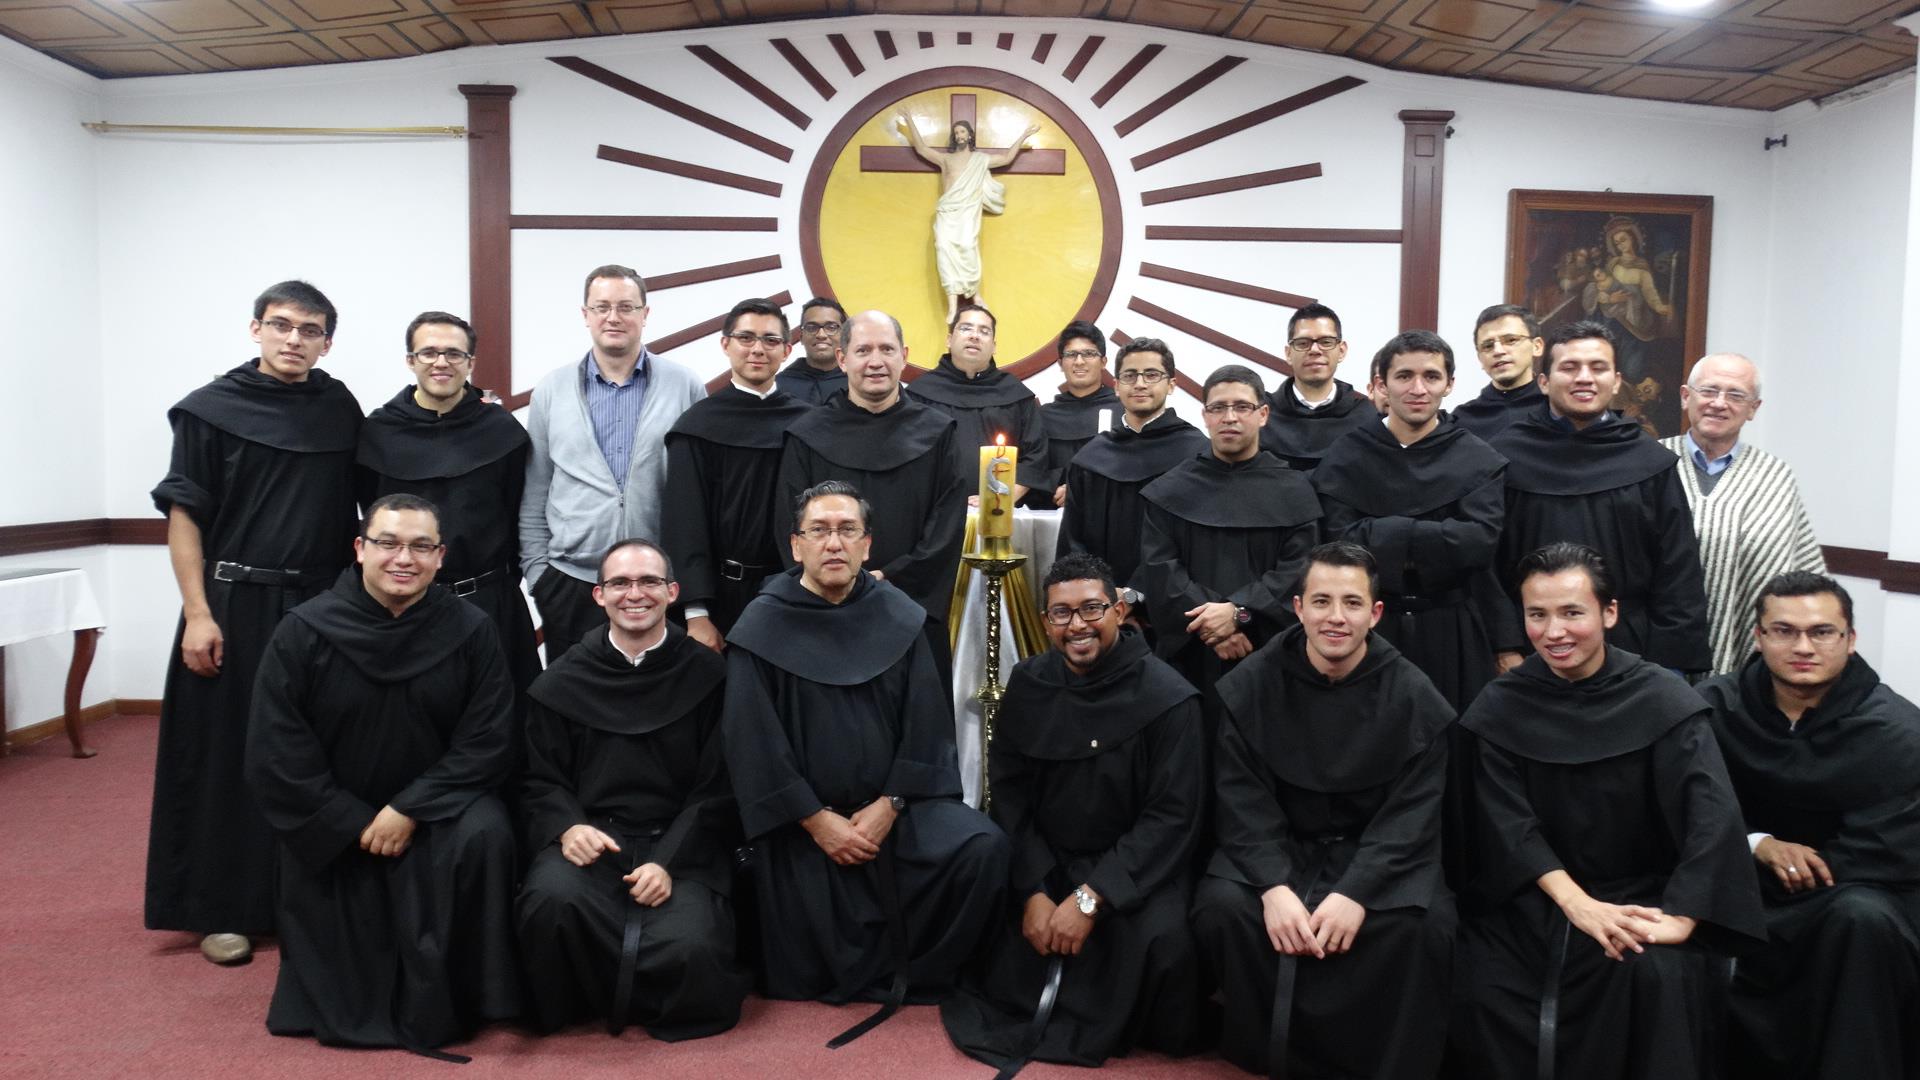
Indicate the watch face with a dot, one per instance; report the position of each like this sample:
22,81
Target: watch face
1085,902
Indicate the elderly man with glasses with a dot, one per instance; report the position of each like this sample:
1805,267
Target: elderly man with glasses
1746,504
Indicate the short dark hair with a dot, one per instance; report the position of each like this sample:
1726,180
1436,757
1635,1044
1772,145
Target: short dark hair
1410,341
300,295
1342,553
1311,312
971,306
1147,344
1501,311
1802,583
636,542
1565,555
1580,331
442,318
846,331
615,271
1080,566
823,489
756,307
398,501
826,302
1080,328
1234,373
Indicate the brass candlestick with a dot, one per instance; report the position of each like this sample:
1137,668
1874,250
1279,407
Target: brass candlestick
996,559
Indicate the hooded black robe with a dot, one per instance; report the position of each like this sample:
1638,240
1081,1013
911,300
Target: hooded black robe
1104,510
1097,779
1832,996
1495,409
1332,787
984,406
1300,436
634,751
472,464
1617,780
833,706
356,709
1609,487
723,475
1071,423
808,385
265,469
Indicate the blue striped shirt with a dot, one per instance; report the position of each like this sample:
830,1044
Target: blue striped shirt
614,409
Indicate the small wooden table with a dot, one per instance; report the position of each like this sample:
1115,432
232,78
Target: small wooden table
38,603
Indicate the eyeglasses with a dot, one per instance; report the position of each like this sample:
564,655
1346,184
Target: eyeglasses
1081,354
1148,376
1302,344
420,548
1090,612
746,340
310,331
1236,408
603,309
1714,393
819,533
820,327
1824,634
628,584
434,356
982,329
1507,341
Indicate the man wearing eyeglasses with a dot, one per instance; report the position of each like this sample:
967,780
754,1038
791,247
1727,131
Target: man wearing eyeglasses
816,375
1104,514
440,439
599,460
984,401
1746,504
1506,338
259,503
1099,775
873,880
1074,416
1312,408
624,915
1823,757
382,730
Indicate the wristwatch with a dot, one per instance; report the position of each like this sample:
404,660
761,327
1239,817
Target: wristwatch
899,803
1086,901
1241,615
1131,596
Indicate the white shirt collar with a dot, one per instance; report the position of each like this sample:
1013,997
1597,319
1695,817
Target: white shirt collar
745,389
635,660
1305,404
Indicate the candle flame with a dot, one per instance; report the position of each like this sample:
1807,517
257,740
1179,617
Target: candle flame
1000,439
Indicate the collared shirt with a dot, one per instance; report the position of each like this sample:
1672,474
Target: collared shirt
1333,391
632,659
614,409
1709,466
761,394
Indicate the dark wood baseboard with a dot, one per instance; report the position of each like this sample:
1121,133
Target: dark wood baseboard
33,733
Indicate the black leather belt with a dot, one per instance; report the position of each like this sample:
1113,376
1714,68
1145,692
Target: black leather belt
1037,1028
1279,1034
259,575
469,586
738,571
1545,1064
883,871
629,940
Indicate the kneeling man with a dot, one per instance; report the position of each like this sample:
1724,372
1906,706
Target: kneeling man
1098,774
1826,761
381,731
625,911
873,878
1331,764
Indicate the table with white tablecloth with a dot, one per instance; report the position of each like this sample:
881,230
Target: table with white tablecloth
1035,533
39,603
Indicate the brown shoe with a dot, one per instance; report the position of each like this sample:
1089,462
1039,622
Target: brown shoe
226,948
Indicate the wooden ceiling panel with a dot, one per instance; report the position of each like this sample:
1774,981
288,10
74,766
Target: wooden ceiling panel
1372,10
1850,61
1298,27
775,9
1444,58
1383,45
383,42
313,14
433,33
644,16
1770,92
252,54
916,7
1514,67
508,25
1737,48
57,24
1478,24
173,19
134,60
1837,16
1669,84
1608,37
1199,16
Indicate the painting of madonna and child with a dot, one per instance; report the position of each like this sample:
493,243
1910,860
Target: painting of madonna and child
1637,264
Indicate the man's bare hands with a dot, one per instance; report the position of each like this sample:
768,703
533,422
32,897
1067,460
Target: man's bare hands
1067,928
1507,661
835,835
1798,867
202,646
1289,927
1671,930
1034,920
582,844
651,884
1336,922
701,629
1060,495
1619,928
388,834
1213,623
1236,647
875,820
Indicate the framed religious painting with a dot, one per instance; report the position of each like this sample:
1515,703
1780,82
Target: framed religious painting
1636,264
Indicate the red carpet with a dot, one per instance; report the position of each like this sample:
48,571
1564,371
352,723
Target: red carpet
85,991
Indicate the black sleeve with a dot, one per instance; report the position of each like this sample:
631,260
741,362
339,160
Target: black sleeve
1398,863
1271,594
929,567
549,801
196,474
766,776
1034,470
700,842
1677,604
683,530
1157,849
1252,826
480,750
926,765
1507,832
1015,778
1713,879
287,766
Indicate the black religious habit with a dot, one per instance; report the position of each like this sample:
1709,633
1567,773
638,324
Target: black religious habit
1300,436
809,385
992,403
265,470
1071,422
1104,510
1495,409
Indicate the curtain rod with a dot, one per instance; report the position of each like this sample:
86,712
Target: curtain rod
106,128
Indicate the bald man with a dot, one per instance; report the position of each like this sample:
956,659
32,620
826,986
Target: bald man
1746,505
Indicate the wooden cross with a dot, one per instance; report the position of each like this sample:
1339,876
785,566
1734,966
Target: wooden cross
960,107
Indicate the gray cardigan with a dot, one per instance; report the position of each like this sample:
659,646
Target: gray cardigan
572,510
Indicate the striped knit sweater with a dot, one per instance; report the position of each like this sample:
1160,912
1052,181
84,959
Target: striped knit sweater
1751,527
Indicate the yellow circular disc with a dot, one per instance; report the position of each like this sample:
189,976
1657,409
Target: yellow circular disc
1038,258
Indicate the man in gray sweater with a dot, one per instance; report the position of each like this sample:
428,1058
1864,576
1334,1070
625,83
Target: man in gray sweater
598,464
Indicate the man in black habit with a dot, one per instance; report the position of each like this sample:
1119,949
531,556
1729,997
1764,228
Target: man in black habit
1506,337
259,503
1098,774
440,440
723,466
901,454
1323,915
1074,415
1103,515
625,912
984,402
1578,472
1312,408
1826,761
874,881
1224,539
816,375
382,729
1613,868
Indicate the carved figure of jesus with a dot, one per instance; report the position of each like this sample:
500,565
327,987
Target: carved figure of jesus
967,188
